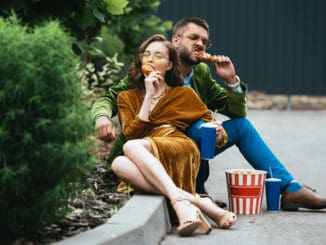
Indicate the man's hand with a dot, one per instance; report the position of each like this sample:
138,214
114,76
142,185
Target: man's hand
218,129
224,68
221,136
105,128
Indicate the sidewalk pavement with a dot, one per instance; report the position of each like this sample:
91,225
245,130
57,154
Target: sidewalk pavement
297,138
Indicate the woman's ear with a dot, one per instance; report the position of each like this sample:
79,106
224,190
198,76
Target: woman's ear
169,66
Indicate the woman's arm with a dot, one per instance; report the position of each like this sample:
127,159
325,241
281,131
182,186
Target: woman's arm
132,125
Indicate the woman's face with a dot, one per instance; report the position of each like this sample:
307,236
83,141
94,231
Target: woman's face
156,55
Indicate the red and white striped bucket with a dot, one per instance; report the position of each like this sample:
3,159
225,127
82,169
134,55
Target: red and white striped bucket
245,190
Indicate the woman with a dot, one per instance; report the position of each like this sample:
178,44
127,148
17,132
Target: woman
158,157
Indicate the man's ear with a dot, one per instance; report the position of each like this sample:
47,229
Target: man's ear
175,41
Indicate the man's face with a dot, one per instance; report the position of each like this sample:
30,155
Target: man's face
189,40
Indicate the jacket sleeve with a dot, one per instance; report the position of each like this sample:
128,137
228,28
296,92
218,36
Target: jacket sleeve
107,103
217,98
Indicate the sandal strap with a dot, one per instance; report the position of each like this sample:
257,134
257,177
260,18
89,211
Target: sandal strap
196,199
226,217
178,199
207,196
220,204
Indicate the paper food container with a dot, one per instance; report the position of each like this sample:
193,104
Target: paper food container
245,190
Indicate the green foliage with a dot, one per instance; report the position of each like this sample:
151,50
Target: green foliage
44,125
89,19
97,81
138,23
78,15
115,7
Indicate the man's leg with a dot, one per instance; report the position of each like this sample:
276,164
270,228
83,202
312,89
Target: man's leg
193,131
202,176
243,134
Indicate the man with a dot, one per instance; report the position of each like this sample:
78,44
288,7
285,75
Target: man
190,36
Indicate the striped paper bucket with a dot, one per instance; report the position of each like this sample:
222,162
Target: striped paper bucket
245,190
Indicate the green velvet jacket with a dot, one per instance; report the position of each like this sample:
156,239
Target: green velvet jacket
217,98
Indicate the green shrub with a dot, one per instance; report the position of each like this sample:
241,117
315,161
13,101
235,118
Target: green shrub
44,126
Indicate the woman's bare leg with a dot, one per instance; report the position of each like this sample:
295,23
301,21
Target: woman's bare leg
139,152
127,171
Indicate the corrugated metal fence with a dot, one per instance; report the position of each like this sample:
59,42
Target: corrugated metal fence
277,46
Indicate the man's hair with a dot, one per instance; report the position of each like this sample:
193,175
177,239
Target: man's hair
185,21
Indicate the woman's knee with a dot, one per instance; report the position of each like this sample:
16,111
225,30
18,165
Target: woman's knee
135,145
118,165
129,145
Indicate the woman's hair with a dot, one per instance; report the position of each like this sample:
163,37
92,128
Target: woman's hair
172,76
183,22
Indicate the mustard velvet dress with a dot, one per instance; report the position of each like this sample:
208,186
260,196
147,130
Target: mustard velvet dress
173,113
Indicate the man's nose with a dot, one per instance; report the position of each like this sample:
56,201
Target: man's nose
200,43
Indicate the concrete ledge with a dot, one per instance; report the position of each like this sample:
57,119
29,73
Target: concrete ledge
143,219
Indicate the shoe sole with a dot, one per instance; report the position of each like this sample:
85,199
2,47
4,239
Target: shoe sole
189,229
295,206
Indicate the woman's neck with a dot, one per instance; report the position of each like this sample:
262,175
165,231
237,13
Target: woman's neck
161,89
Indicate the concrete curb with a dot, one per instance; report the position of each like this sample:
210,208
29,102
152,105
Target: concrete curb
143,219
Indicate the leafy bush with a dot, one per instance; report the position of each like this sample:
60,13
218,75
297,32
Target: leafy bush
95,81
44,126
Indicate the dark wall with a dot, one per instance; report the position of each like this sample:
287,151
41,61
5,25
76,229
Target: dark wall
277,46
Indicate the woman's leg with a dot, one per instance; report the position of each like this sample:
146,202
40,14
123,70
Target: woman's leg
127,171
224,219
142,169
139,152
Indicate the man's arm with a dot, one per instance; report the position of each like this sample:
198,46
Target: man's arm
105,108
107,103
225,101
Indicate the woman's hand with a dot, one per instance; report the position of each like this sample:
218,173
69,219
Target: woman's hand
151,83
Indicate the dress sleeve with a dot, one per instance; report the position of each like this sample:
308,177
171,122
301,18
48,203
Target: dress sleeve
132,126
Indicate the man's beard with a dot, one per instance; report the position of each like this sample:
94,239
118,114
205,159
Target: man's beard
185,57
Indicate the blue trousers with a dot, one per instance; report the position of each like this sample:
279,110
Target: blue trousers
244,135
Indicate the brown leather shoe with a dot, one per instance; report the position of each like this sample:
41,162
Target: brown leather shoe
304,198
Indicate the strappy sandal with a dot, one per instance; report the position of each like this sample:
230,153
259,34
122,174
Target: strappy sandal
223,221
228,216
187,227
219,203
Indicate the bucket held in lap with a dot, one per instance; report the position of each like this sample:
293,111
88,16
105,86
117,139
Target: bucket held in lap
245,190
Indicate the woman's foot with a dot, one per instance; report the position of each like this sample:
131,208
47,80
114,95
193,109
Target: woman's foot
190,218
224,219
